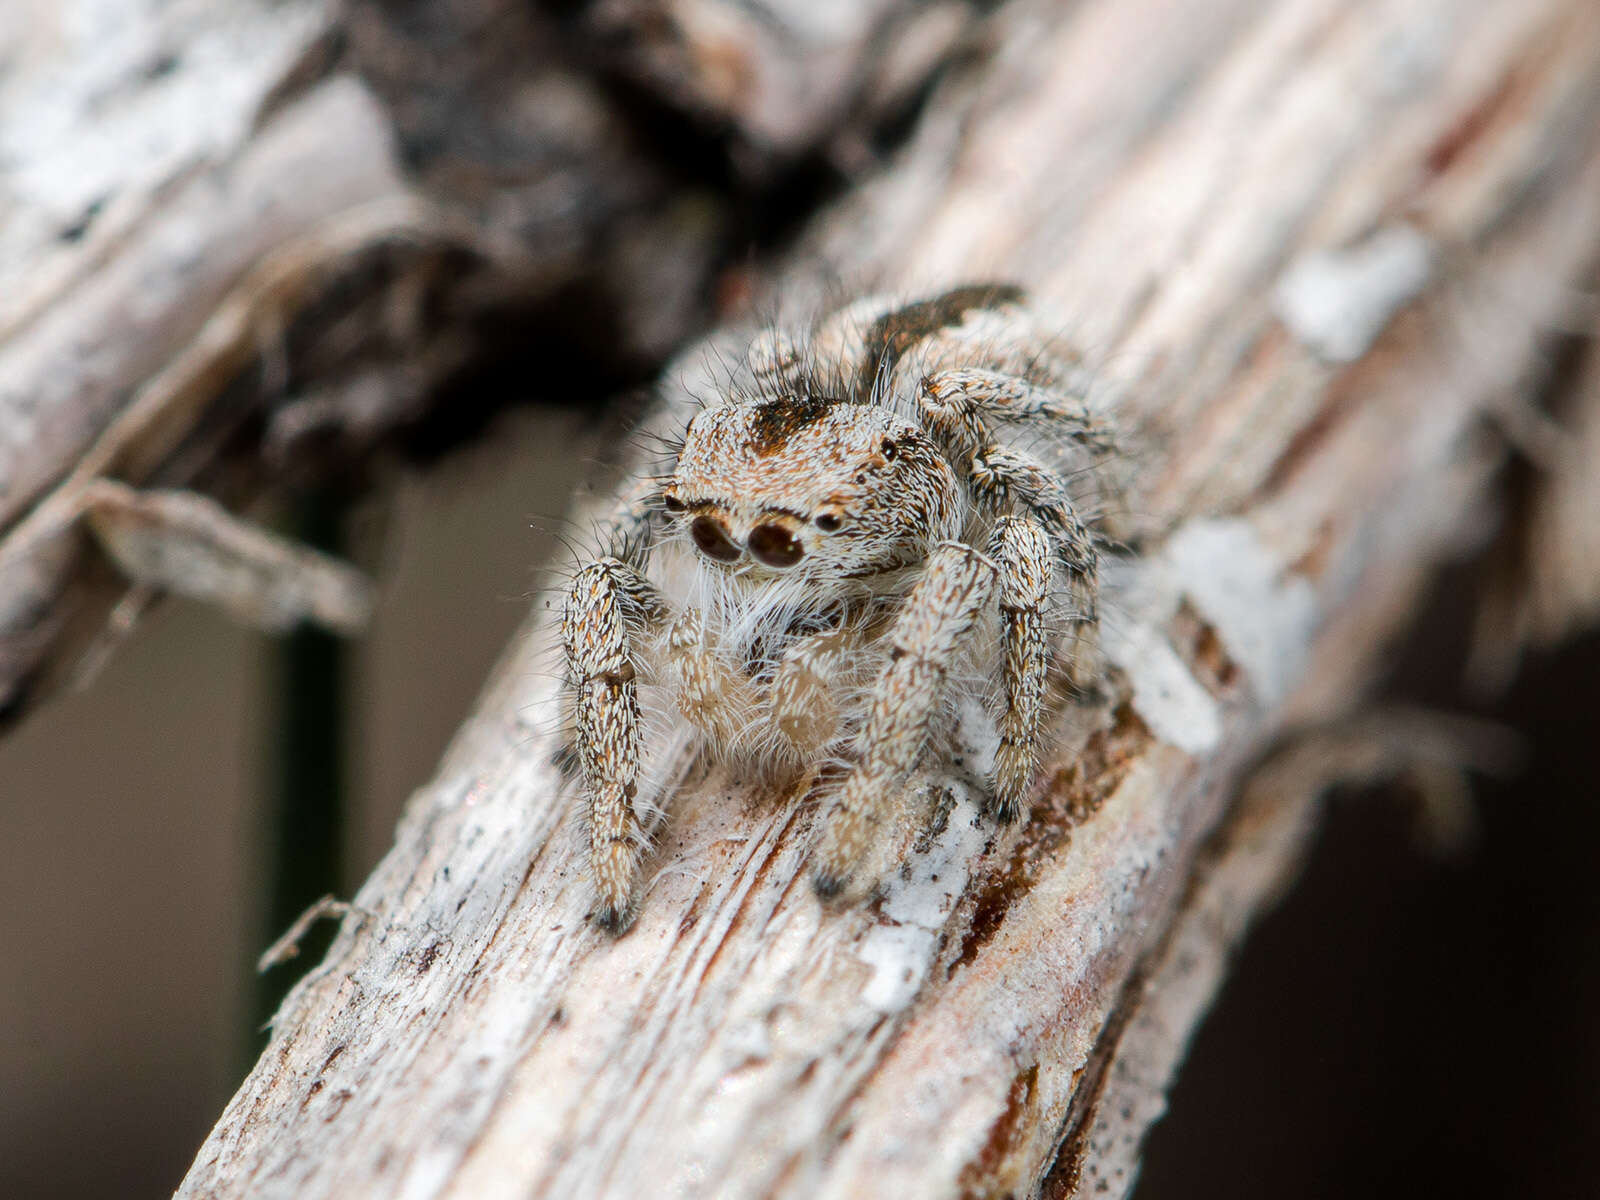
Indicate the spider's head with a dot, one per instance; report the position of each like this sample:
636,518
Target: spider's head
840,489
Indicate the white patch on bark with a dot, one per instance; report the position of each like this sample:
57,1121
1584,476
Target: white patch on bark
1236,582
1337,302
1169,698
918,900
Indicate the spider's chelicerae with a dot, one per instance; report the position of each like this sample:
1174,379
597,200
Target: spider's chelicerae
874,518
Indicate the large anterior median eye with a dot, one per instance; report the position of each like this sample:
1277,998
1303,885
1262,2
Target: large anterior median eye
775,545
713,539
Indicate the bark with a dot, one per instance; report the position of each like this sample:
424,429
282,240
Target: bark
1315,245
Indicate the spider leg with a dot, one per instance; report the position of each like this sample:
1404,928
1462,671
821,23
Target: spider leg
1022,551
1002,475
875,344
953,405
986,329
956,405
834,357
924,641
843,348
777,362
607,600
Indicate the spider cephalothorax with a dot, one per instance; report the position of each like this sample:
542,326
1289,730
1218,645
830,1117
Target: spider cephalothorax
848,532
846,490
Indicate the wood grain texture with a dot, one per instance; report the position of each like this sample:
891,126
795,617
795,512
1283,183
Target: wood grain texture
1204,194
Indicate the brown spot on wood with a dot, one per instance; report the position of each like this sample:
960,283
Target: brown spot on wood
1344,396
1082,786
764,864
1076,792
985,1177
1065,1175
1472,126
942,803
1337,403
691,915
1314,561
1202,649
340,1098
426,959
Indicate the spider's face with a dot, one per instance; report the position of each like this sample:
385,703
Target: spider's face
833,488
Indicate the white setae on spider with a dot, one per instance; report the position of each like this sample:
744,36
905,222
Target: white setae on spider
876,517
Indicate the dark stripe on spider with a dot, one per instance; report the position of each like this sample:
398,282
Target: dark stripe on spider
776,421
893,335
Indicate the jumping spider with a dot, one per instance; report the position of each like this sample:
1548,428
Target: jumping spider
848,541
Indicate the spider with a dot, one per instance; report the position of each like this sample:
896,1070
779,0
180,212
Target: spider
845,542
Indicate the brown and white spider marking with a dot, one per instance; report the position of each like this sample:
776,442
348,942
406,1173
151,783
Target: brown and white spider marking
871,522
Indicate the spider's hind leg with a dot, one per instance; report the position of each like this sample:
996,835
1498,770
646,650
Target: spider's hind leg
959,402
953,405
999,474
1022,551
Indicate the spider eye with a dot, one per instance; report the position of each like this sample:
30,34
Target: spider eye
776,546
828,522
712,539
672,504
888,449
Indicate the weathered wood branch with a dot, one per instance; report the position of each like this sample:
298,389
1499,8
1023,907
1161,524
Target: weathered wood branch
1316,243
251,238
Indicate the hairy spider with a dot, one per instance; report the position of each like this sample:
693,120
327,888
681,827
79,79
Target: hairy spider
874,518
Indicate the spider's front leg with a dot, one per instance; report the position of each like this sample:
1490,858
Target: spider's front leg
924,641
607,601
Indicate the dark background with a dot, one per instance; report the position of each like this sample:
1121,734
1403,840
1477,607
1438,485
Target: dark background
1404,1024
1414,1024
